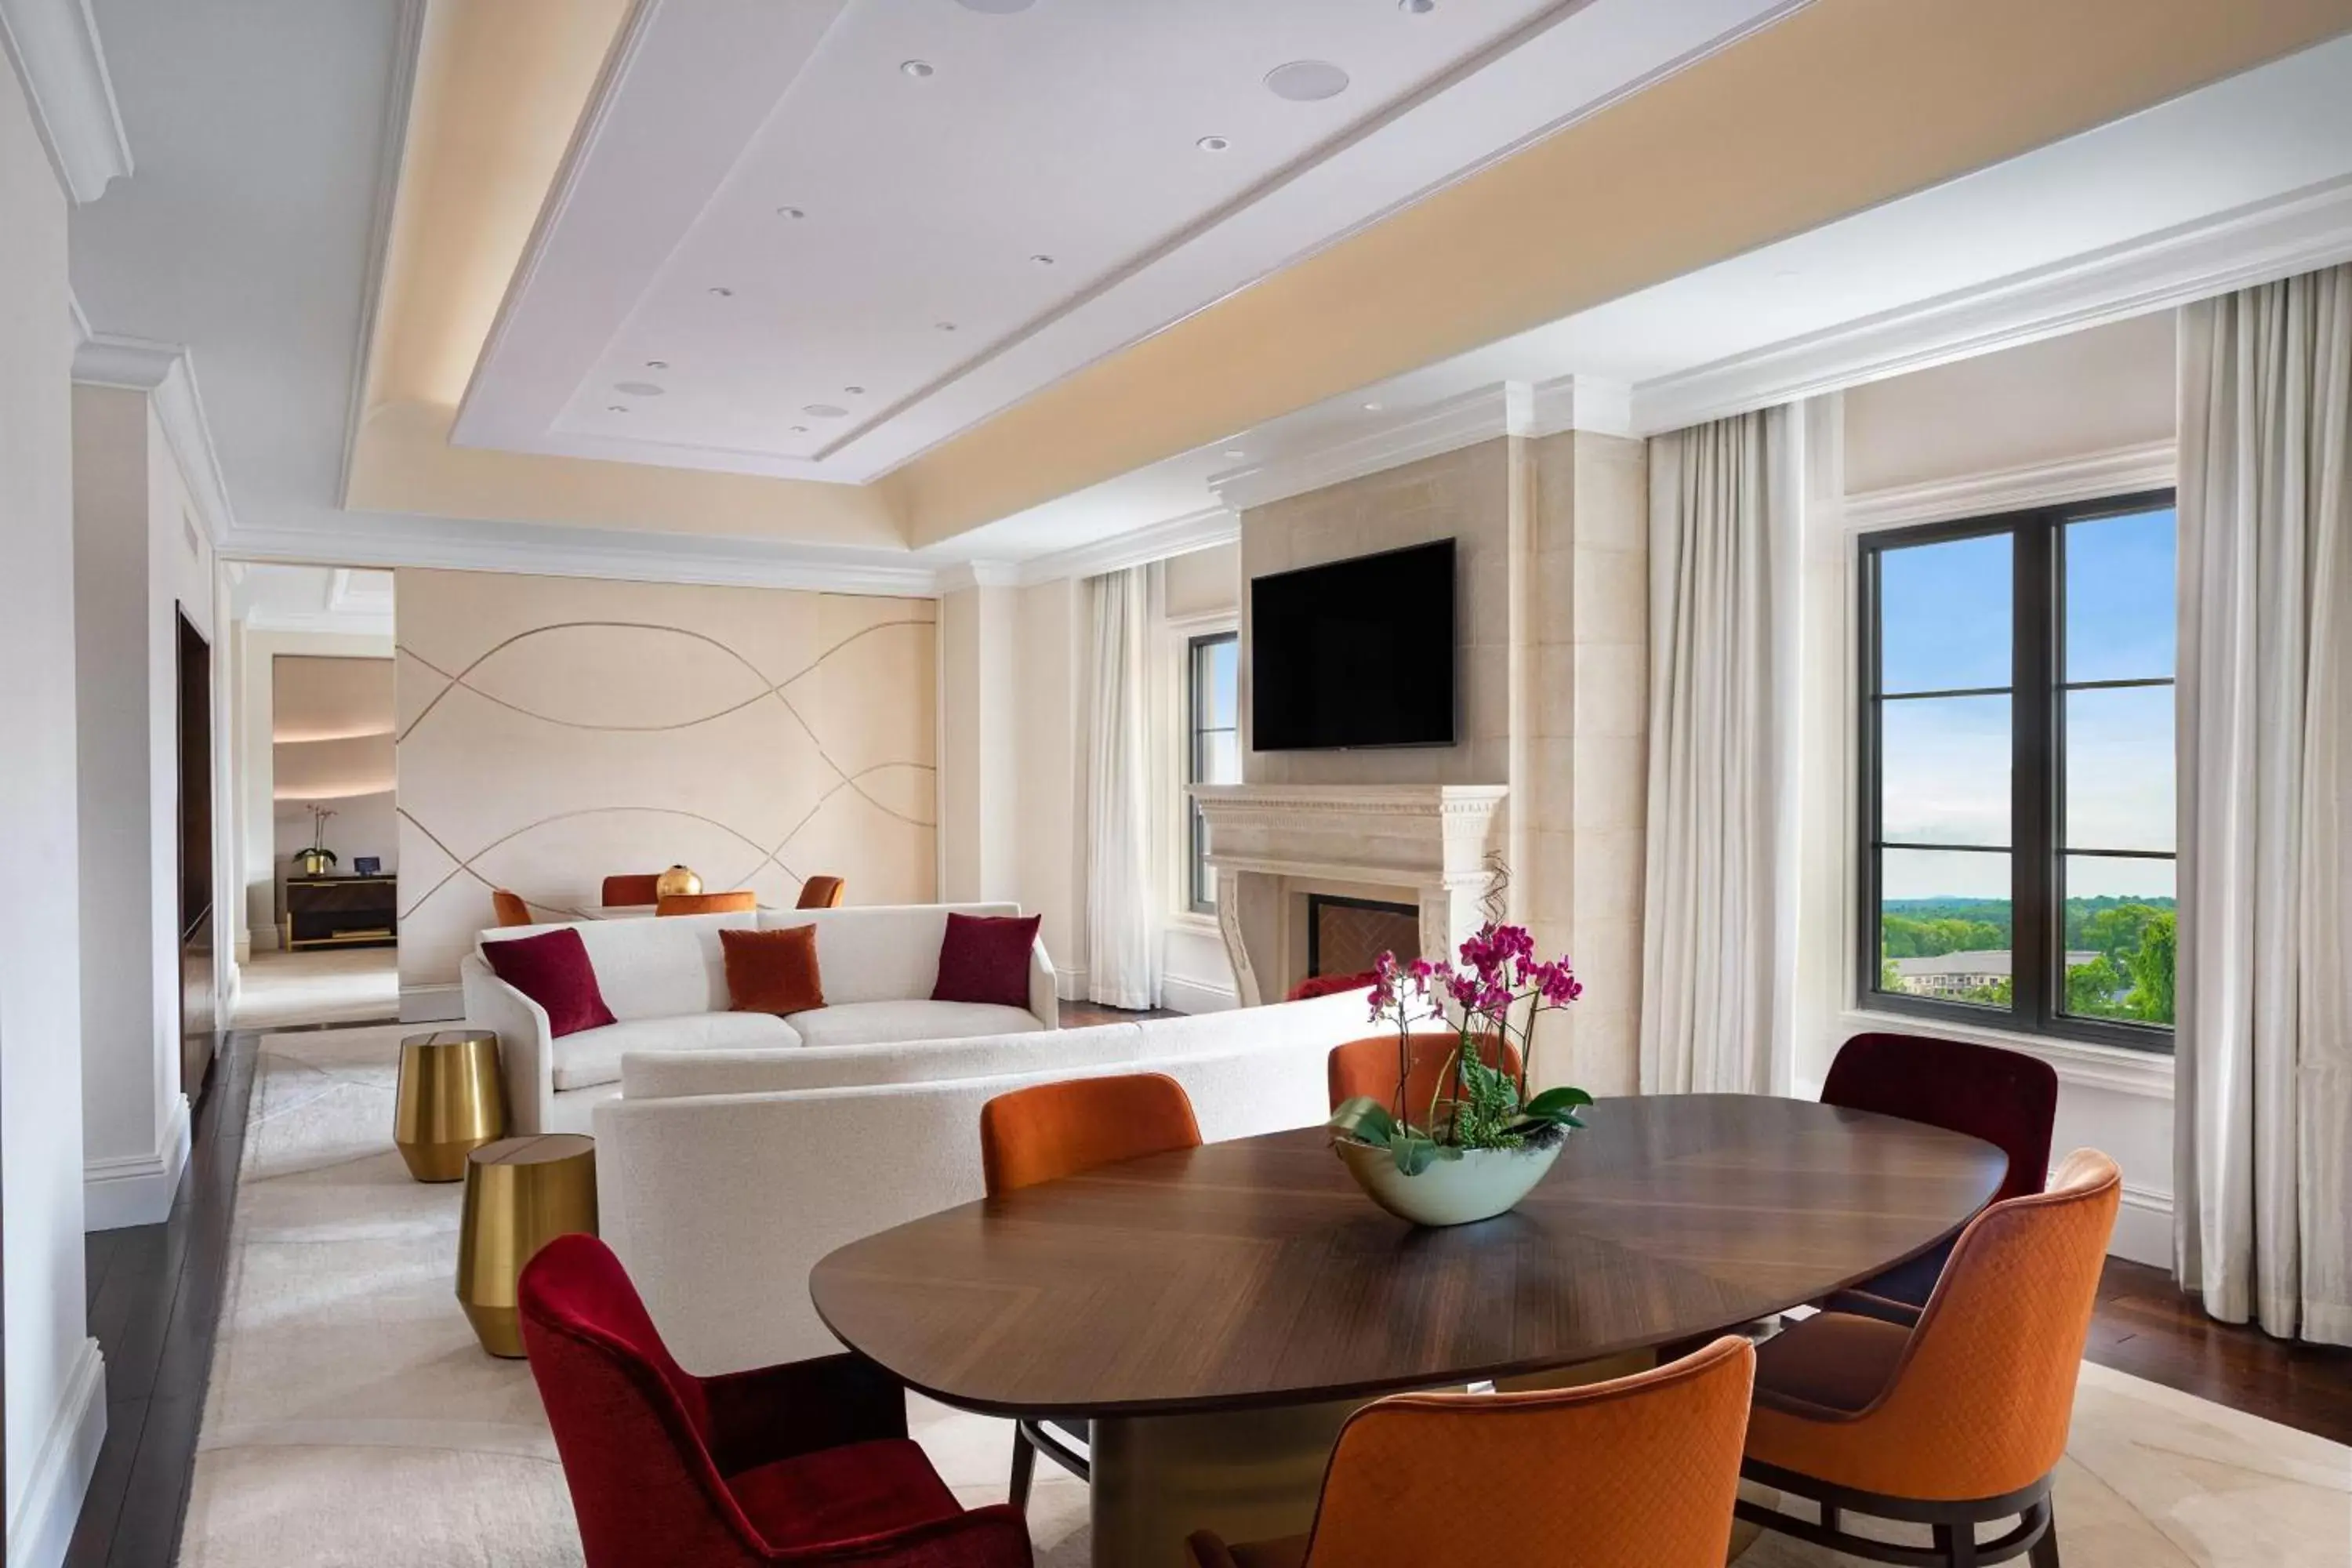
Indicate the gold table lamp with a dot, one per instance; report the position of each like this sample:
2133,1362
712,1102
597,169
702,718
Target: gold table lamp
452,1100
520,1195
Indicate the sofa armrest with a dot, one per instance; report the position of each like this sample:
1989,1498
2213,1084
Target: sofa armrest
1044,987
525,1059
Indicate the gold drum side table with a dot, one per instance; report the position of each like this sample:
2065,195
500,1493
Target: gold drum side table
520,1195
452,1100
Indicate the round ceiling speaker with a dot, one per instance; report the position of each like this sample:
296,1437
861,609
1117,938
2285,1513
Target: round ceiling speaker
637,388
825,411
1307,81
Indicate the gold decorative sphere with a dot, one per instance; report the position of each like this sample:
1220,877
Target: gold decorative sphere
676,880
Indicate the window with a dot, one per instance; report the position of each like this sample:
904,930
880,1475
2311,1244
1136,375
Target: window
2017,758
1212,753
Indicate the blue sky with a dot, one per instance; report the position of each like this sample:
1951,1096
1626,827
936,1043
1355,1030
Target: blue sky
1945,619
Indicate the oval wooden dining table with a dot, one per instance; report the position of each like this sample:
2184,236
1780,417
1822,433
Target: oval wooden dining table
1216,1312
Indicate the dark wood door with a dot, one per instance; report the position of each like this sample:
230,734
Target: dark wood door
199,997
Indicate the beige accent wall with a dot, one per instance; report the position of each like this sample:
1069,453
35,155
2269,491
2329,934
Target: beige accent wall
553,731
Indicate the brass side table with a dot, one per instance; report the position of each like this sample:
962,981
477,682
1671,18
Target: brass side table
453,1100
520,1195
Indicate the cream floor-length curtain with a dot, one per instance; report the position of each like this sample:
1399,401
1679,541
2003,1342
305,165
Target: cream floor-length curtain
2263,1105
1718,918
1122,946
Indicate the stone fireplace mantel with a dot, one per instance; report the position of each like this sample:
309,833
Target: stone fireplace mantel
1426,845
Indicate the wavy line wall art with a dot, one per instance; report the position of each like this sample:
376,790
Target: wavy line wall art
554,731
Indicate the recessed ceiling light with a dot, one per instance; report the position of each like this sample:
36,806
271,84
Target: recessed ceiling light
790,212
800,429
1416,8
723,293
637,388
996,7
825,411
616,408
1235,452
1371,408
855,391
1212,144
1307,81
945,326
1041,259
656,364
916,67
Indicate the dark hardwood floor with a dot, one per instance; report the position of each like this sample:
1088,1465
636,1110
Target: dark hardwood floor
1080,1015
2149,1327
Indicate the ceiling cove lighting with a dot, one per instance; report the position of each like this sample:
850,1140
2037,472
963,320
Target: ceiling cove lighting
1307,81
917,69
1212,144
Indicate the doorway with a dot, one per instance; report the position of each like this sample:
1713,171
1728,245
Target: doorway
198,994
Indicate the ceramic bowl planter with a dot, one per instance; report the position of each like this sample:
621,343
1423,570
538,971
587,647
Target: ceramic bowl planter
1480,1185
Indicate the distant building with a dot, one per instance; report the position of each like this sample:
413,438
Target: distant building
1958,973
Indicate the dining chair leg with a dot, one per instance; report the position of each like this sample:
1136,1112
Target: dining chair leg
1958,1543
1024,1468
2046,1551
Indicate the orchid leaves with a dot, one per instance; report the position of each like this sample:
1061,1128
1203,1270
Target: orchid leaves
1366,1121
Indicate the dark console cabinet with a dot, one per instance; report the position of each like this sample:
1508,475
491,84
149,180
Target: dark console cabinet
342,911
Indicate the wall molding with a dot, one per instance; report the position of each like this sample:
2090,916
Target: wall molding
437,1004
1188,995
2143,1230
167,372
138,1189
1203,530
2154,465
2254,243
57,55
43,1523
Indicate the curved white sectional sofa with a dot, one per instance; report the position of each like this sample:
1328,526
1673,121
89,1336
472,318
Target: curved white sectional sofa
723,1175
666,983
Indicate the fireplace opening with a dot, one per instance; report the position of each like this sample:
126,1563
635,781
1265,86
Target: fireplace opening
1344,936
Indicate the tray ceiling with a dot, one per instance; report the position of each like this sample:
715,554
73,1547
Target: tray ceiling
814,240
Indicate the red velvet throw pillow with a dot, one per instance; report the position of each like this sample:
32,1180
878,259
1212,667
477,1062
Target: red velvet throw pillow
772,970
552,970
985,958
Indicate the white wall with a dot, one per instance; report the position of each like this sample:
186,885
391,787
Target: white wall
140,563
1049,872
55,1414
978,747
1915,447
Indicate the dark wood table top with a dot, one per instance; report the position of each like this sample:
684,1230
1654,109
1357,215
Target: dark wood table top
1255,1273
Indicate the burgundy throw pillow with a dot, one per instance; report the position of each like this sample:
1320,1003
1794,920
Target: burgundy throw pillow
552,970
985,958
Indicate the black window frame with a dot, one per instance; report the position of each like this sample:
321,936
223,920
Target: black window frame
2037,847
1196,844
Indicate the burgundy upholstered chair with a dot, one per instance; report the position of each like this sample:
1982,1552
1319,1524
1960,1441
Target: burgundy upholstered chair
1315,985
804,1463
2006,1097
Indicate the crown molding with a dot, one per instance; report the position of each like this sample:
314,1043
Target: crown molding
54,45
2120,471
336,623
468,544
2257,243
1581,403
1203,530
1505,408
167,372
958,575
392,156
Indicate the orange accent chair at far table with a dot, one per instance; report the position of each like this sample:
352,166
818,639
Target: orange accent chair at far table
1957,1421
705,903
1055,1129
822,893
1638,1472
1368,1068
623,891
509,908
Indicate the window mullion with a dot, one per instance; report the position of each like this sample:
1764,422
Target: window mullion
2033,714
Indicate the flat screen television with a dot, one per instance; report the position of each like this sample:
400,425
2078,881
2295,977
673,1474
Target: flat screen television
1354,653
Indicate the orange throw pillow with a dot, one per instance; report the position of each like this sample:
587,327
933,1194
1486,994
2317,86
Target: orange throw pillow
772,970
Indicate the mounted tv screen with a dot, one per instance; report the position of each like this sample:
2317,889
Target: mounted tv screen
1355,653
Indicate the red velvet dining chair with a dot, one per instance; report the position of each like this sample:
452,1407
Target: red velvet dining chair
804,1463
2006,1097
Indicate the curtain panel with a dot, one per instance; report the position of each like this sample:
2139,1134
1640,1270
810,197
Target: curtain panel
2263,1103
1719,914
1122,938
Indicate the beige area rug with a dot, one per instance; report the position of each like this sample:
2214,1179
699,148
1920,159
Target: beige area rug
277,990
352,1420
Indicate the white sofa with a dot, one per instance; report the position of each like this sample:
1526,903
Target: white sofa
666,983
722,1176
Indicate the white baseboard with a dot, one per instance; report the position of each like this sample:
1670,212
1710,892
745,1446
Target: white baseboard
432,1004
137,1189
43,1524
2144,1228
1196,995
1070,984
263,939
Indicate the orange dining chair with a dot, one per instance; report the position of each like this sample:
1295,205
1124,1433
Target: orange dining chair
509,910
1368,1068
1054,1129
623,891
822,893
1637,1472
1956,1421
705,903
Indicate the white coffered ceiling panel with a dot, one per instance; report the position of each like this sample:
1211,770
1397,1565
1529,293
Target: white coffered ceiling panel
814,239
